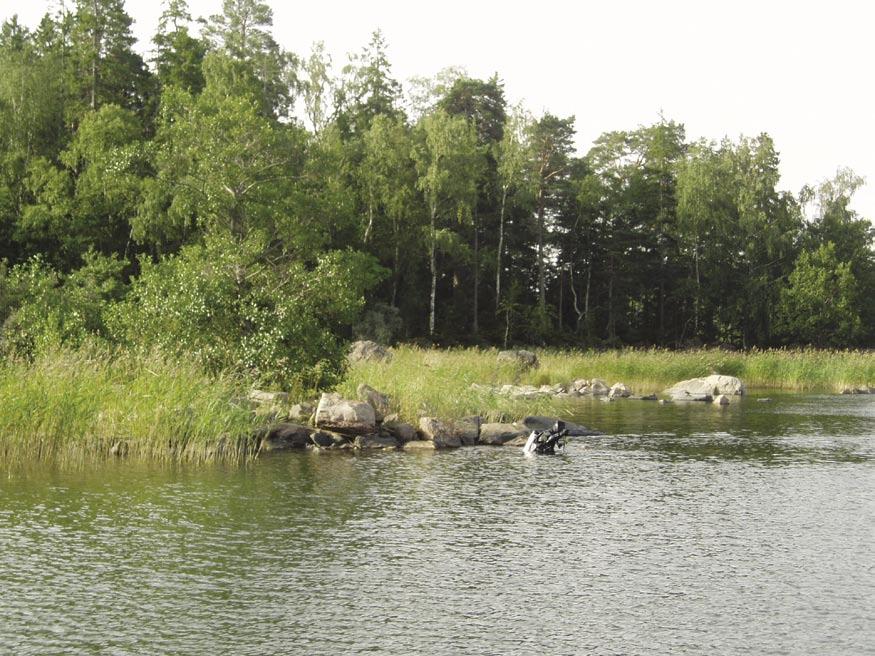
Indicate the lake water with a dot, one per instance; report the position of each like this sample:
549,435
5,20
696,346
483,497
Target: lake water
685,530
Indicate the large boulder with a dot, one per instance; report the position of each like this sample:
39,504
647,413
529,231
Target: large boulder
377,400
442,434
285,436
598,387
468,430
539,423
345,416
523,359
495,434
368,351
710,386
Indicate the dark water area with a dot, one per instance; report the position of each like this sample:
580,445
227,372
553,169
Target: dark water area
684,530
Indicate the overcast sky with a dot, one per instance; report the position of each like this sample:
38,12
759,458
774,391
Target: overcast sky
800,71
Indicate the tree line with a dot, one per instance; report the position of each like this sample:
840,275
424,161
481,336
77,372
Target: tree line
254,207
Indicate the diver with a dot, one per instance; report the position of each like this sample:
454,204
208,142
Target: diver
546,442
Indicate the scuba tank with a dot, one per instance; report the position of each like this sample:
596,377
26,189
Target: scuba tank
547,441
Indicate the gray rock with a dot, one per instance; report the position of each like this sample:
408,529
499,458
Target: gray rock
721,399
345,416
517,441
500,434
598,387
468,430
328,440
375,442
377,400
268,398
368,351
709,386
302,412
619,390
686,396
285,436
442,434
539,422
523,359
419,445
401,431
581,386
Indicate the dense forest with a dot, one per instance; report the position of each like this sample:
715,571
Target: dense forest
252,208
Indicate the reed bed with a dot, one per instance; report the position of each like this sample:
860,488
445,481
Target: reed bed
103,402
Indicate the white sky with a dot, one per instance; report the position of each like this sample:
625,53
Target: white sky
801,71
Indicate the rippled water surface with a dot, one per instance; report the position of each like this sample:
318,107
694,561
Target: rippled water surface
699,530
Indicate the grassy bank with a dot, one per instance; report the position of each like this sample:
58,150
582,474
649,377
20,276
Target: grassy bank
100,402
437,382
97,402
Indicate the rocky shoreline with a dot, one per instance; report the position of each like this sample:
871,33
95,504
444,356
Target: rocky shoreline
366,422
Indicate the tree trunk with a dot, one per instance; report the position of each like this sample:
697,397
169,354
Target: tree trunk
500,249
542,276
474,325
395,263
433,267
96,55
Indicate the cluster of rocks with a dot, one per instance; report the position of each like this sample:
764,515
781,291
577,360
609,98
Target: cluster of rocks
365,423
859,390
580,387
711,389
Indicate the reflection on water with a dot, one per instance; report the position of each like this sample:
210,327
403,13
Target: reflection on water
685,529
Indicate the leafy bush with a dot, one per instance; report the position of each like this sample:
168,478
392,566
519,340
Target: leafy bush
232,308
41,309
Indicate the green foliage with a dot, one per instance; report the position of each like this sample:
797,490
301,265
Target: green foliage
820,305
42,310
229,308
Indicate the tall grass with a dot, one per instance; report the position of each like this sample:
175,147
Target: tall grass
438,382
97,401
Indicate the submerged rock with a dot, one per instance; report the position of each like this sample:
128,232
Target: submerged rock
419,445
495,434
345,416
539,422
721,399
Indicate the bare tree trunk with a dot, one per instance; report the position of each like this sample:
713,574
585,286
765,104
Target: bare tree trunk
574,297
395,264
500,249
370,225
542,276
698,292
96,54
474,325
433,267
